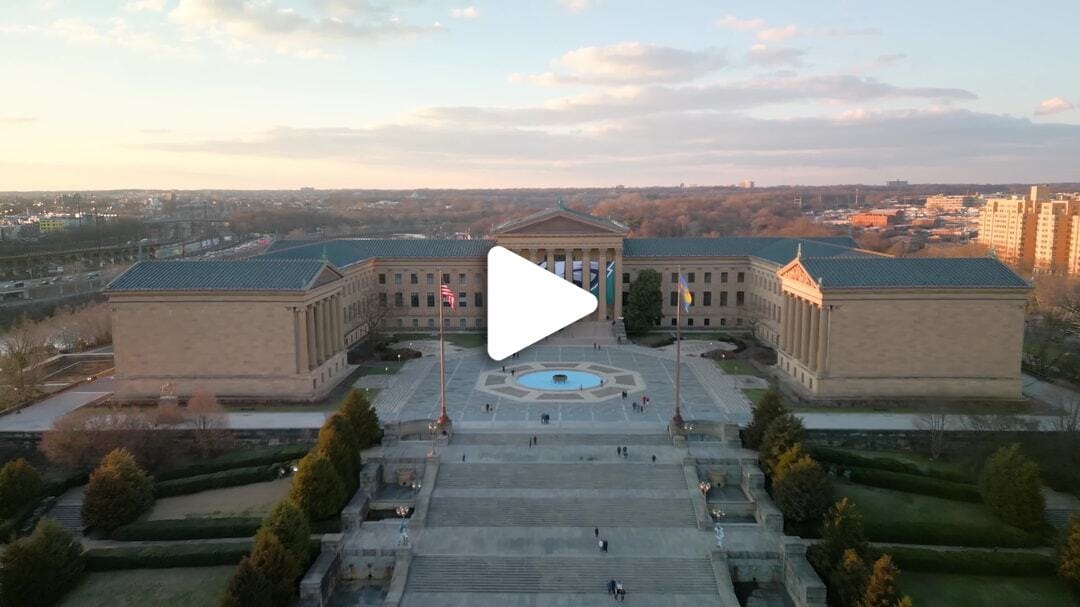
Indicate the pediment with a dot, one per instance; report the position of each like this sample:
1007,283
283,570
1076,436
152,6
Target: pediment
325,276
795,272
561,222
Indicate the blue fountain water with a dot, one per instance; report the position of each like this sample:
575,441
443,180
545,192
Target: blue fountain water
545,380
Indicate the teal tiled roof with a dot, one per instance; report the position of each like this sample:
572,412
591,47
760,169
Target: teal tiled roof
347,251
778,250
218,275
911,272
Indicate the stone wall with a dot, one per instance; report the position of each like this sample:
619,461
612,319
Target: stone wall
29,441
956,441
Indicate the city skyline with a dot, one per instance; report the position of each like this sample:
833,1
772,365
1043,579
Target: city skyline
402,94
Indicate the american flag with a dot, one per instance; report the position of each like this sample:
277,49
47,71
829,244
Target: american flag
449,296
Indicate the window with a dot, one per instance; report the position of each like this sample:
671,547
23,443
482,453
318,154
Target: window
723,298
414,279
479,323
382,300
689,322
674,298
446,323
479,279
625,298
463,299
478,300
723,322
706,298
673,323
382,279
400,322
690,278
416,323
446,279
431,300
431,279
399,299
674,277
708,277
414,300
397,279
707,323
626,278
738,321
740,298
723,276
461,279
740,277
464,324
431,323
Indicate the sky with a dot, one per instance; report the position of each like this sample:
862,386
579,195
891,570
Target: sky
271,94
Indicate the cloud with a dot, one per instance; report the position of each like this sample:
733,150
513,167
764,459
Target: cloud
114,32
877,63
722,96
289,31
1054,105
766,33
577,6
768,56
628,63
16,119
144,6
465,12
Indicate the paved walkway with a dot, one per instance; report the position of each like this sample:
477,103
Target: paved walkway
40,416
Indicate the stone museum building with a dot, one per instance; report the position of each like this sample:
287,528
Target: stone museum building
846,323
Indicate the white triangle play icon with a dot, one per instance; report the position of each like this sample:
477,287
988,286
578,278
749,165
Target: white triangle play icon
526,303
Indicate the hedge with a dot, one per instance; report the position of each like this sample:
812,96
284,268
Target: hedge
916,484
238,459
10,526
188,529
939,534
847,458
167,556
216,480
972,562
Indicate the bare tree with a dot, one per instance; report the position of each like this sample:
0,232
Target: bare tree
22,350
370,314
935,424
208,419
78,440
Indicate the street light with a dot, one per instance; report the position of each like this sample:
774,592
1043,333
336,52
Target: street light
704,487
432,427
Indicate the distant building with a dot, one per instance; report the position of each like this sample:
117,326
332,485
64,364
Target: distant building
877,219
747,184
950,204
896,183
1034,230
56,224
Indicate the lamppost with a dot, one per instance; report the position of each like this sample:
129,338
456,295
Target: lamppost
433,428
403,530
704,487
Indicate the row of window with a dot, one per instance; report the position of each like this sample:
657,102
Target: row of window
462,323
414,279
706,298
691,277
414,300
707,322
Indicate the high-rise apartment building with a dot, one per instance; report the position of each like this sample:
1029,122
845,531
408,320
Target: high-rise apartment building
950,204
1034,231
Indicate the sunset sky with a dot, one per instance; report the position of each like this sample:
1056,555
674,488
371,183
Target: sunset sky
415,93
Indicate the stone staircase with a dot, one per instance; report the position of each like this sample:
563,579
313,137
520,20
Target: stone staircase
620,331
562,476
547,440
560,512
68,510
572,575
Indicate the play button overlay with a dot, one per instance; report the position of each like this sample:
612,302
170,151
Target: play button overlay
526,303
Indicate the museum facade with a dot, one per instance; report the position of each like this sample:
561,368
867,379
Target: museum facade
846,323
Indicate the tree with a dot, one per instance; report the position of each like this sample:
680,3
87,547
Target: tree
801,488
36,571
781,434
842,530
847,581
22,350
288,523
767,409
1069,555
362,417
370,315
337,440
644,303
316,487
20,485
208,419
277,565
934,424
881,590
118,492
77,441
1010,486
248,587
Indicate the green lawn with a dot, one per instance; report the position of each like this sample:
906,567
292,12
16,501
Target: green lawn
735,366
920,461
957,408
950,590
467,340
755,394
381,367
179,587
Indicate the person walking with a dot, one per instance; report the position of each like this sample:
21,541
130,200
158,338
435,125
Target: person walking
600,544
654,458
611,587
462,457
596,532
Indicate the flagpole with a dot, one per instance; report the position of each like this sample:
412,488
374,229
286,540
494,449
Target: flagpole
443,419
677,420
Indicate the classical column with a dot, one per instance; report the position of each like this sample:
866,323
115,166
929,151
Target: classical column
551,260
785,324
300,320
586,269
339,315
823,337
329,311
815,327
568,265
805,349
309,336
618,283
796,336
320,348
601,281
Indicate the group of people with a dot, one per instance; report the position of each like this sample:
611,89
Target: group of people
545,418
488,408
533,441
615,589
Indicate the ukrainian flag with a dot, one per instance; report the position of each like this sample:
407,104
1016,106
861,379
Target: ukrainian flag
687,298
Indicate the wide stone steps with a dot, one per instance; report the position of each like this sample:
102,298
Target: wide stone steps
572,575
547,440
69,516
562,476
559,512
